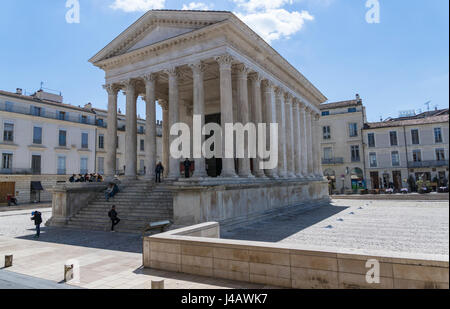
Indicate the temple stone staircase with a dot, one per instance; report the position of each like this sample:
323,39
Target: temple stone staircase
137,204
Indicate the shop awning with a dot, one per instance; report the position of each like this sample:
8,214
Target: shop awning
36,186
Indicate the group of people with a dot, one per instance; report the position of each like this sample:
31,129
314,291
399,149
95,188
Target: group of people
86,178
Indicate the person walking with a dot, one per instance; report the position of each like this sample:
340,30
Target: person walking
187,168
37,218
114,217
158,171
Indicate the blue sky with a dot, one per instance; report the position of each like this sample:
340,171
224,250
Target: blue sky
398,64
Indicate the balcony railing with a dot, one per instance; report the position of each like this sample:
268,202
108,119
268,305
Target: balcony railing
16,171
333,161
429,163
45,113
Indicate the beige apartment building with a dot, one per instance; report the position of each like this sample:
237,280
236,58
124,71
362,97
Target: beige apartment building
341,144
393,153
44,141
407,148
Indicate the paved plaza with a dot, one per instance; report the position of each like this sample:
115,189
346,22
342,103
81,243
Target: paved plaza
114,260
420,227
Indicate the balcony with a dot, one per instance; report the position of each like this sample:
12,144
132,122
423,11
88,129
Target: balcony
27,110
429,163
16,171
332,161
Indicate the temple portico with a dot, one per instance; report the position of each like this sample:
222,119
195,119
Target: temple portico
210,68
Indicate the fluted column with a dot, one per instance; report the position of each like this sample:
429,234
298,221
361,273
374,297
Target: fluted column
281,120
226,110
297,144
316,142
290,163
165,135
174,167
198,70
243,110
309,142
111,132
256,80
304,140
150,126
271,117
131,130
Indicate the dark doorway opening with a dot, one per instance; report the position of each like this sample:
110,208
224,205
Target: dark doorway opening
213,165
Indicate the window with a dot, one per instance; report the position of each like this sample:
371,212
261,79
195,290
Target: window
355,154
37,135
328,153
8,133
36,111
371,139
415,137
142,166
141,130
437,135
373,159
61,165
62,115
142,146
440,155
117,141
395,158
83,119
352,110
84,140
101,165
9,106
353,128
417,156
101,141
393,137
326,132
325,113
36,164
100,122
84,166
7,161
62,138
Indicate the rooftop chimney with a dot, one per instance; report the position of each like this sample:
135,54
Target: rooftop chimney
19,91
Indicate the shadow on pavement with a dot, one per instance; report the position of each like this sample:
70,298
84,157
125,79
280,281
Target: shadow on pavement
91,239
283,224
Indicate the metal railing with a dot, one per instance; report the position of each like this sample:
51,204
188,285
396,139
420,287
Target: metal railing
428,163
332,161
16,171
46,113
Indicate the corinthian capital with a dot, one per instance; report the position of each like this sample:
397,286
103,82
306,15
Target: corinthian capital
256,77
242,70
112,89
198,67
288,98
150,78
224,61
279,92
128,84
173,72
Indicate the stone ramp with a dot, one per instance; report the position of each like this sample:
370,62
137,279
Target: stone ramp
138,203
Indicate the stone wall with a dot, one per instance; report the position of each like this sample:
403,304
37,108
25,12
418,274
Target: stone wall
69,199
234,202
272,264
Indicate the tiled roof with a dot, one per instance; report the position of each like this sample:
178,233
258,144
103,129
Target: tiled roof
340,104
37,100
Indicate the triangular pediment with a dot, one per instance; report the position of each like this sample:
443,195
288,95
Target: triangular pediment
158,26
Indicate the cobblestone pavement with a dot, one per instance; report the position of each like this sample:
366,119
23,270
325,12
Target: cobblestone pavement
395,226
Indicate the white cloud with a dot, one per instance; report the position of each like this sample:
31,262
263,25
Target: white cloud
197,6
270,19
138,5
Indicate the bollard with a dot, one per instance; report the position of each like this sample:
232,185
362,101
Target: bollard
158,285
68,273
8,261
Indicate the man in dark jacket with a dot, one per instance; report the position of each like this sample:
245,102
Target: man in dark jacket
37,218
158,171
187,168
113,216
